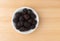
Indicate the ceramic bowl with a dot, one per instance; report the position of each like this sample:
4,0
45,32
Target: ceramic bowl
37,18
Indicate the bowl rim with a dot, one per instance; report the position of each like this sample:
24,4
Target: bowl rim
30,31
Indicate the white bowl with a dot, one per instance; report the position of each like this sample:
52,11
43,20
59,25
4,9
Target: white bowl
30,31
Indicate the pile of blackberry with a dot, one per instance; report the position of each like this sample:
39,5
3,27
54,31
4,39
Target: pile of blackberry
25,20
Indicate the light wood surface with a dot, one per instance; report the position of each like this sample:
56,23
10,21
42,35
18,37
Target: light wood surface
48,29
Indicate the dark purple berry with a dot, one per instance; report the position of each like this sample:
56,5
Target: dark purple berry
16,20
16,26
21,18
29,11
25,11
34,22
32,27
27,25
26,16
31,14
18,14
20,24
23,29
30,20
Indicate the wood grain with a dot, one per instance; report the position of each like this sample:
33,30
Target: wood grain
49,25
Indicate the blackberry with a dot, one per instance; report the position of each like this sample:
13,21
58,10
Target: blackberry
26,16
29,11
23,29
27,25
18,14
21,18
34,22
30,20
17,27
31,14
20,24
32,27
16,20
25,11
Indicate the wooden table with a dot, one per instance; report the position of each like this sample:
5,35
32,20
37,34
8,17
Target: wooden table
48,29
